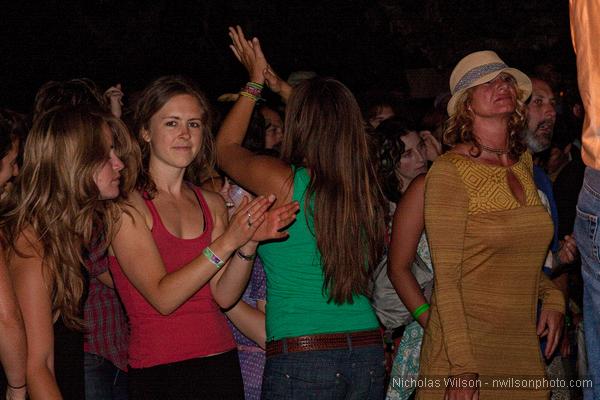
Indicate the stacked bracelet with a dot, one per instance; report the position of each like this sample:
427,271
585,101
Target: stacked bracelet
245,257
213,258
252,90
420,310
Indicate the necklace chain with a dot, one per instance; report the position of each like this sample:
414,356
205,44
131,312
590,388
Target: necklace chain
493,150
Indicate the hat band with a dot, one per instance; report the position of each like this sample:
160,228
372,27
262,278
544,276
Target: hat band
476,73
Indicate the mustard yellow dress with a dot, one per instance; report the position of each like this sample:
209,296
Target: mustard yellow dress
487,251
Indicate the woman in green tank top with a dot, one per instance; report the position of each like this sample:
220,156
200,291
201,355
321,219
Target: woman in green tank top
323,337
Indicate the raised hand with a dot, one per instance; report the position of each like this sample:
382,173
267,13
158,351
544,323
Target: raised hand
276,84
249,53
275,220
433,148
114,94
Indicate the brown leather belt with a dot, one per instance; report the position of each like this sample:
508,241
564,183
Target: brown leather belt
329,341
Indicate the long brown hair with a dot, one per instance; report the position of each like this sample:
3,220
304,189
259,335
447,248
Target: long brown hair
325,133
152,99
459,127
57,201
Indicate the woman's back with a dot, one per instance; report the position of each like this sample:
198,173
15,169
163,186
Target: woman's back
297,303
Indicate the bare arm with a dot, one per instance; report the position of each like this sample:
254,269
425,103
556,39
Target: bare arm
13,342
250,321
259,174
407,227
35,302
167,291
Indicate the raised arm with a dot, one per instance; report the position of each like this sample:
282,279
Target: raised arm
13,342
407,228
446,206
259,174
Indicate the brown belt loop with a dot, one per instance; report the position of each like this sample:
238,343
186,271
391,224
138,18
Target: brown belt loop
330,341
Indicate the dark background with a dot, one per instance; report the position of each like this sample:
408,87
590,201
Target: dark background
407,45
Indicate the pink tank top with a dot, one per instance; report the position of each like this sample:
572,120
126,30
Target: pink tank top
197,328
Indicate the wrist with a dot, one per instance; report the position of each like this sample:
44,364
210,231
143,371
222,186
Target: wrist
249,248
258,79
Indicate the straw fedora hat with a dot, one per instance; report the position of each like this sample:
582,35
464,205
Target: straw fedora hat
481,67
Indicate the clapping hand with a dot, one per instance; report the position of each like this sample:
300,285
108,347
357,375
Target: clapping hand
275,220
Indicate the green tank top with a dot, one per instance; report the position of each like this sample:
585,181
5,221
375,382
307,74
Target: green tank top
296,303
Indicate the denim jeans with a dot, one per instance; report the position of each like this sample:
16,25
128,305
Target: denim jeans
352,374
103,381
588,243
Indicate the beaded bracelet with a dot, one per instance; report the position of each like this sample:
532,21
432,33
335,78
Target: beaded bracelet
252,90
420,310
212,257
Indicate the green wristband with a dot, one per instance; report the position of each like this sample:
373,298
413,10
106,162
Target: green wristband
420,310
213,258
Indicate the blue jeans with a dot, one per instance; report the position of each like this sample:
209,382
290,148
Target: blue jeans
103,381
588,243
352,374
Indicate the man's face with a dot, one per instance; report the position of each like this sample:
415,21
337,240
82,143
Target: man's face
541,116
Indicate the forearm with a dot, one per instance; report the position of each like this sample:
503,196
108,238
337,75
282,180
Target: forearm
250,321
409,291
41,384
229,286
13,349
233,129
552,298
285,92
175,288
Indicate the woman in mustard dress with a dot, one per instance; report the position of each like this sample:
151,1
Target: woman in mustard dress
488,233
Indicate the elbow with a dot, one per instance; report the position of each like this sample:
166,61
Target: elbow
262,340
11,320
225,304
225,301
164,309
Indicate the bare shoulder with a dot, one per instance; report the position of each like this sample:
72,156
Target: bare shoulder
215,202
135,210
417,185
218,211
26,262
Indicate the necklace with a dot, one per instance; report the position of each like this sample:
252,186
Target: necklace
493,150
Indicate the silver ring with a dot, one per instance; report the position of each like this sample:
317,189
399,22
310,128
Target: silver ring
249,222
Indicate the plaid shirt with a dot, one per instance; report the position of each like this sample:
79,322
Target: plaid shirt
107,333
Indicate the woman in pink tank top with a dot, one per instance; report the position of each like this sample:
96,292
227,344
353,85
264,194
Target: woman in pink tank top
178,258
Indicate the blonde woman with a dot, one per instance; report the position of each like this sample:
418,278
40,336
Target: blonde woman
72,168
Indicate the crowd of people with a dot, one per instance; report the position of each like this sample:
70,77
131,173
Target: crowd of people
154,248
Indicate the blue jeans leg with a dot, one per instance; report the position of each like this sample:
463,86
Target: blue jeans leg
326,375
103,381
588,243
